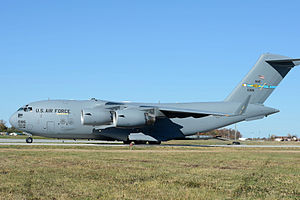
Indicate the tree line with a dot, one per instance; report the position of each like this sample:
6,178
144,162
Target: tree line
224,133
4,128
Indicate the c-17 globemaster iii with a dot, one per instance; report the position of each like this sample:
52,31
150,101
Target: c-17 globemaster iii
107,120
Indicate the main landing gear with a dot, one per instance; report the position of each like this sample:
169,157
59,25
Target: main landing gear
154,142
236,143
29,140
141,142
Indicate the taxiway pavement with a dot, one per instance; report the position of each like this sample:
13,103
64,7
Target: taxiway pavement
54,142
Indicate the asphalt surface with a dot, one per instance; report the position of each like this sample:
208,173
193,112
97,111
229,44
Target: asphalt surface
54,142
10,140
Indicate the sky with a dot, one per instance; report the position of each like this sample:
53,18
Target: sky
147,51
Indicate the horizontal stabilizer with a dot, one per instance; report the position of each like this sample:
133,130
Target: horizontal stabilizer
285,62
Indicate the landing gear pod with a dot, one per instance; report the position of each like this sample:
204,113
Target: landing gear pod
95,117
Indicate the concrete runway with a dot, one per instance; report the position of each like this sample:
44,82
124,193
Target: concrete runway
53,142
10,140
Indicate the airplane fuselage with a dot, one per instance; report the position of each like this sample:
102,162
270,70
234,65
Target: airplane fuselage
62,119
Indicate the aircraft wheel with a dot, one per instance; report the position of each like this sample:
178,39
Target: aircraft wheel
29,140
154,142
126,142
140,142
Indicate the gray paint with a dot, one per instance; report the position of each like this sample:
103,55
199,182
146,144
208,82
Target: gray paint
271,75
172,120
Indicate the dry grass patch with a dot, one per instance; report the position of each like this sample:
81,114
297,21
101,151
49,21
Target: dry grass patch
148,173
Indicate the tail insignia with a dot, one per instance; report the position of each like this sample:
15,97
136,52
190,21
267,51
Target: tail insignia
259,86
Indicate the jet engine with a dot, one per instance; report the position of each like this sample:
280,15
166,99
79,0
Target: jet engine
95,117
133,118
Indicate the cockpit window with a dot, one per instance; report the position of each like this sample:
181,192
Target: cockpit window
26,109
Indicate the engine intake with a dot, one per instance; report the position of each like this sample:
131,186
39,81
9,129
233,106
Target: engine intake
95,117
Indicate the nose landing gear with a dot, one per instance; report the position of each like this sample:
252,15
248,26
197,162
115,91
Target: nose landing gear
29,140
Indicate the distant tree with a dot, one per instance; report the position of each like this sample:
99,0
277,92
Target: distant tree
272,137
3,127
224,132
13,130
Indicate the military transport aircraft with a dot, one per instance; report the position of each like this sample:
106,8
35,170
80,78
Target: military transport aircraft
108,120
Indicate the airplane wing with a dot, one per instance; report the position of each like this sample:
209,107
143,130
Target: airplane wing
173,112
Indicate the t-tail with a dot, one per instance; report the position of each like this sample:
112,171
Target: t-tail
263,78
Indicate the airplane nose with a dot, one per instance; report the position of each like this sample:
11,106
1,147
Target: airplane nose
13,120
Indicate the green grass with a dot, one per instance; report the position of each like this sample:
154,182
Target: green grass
156,172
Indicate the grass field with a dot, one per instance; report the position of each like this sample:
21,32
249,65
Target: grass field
157,172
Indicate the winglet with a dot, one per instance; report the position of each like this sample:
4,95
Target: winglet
243,107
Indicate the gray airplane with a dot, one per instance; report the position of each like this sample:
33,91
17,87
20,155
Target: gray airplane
155,122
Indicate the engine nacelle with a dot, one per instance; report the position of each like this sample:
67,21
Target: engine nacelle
95,117
133,118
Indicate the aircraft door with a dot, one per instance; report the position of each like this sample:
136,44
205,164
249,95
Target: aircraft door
50,127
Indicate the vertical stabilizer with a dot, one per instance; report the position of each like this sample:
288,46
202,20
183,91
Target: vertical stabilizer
263,78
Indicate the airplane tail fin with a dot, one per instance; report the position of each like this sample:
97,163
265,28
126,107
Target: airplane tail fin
243,107
263,78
